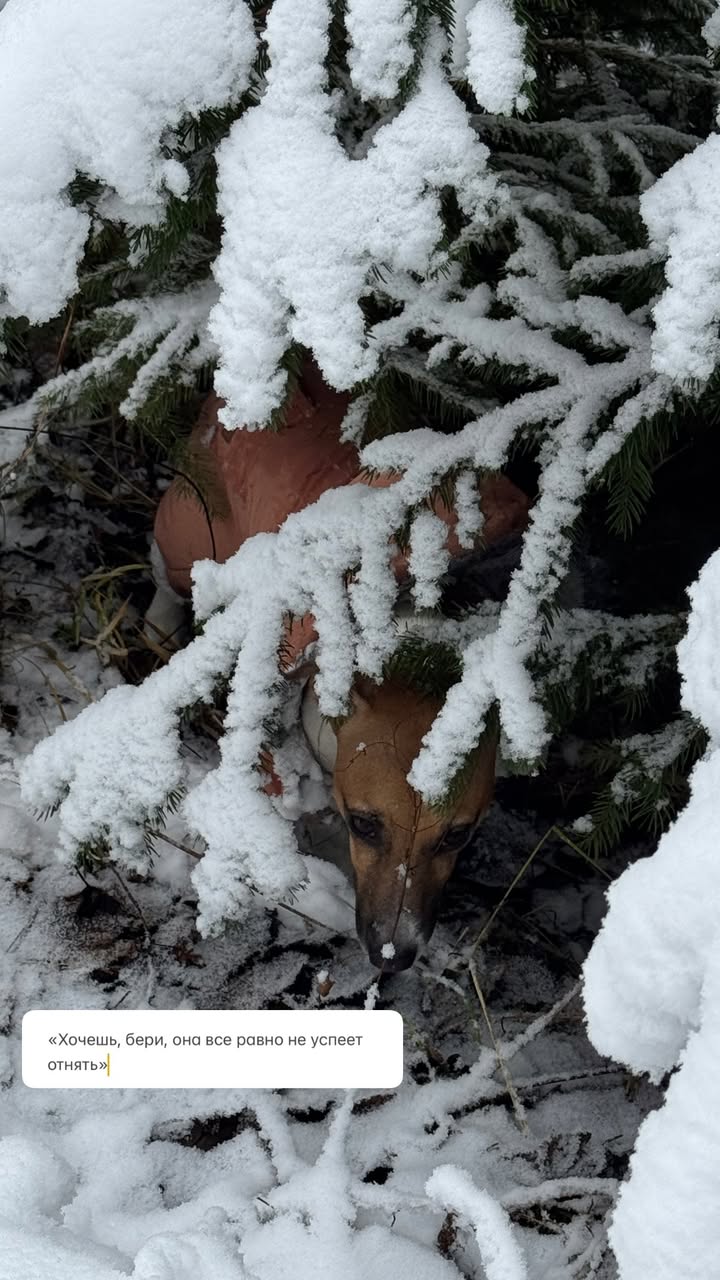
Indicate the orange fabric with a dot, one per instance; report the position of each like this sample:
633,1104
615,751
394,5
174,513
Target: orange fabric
258,478
273,786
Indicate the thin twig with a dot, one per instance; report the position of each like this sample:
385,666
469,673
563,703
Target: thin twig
515,881
558,831
64,339
184,848
518,1108
131,897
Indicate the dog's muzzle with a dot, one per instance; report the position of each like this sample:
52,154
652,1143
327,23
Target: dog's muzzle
393,949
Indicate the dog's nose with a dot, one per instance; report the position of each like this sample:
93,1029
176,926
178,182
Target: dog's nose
393,956
400,959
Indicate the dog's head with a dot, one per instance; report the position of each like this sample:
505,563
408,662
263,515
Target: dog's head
402,851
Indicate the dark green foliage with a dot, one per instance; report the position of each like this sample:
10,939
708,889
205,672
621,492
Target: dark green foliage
157,820
429,667
628,477
92,855
641,794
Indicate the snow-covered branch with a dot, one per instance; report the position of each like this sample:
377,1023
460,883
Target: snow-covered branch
104,116
302,238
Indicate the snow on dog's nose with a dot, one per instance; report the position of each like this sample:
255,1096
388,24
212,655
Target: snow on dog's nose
393,947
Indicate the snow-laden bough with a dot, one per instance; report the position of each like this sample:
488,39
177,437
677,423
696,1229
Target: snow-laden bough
92,88
303,235
114,767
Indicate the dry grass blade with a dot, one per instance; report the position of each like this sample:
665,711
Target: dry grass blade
53,691
562,835
518,1108
27,642
133,900
551,831
64,339
513,883
109,628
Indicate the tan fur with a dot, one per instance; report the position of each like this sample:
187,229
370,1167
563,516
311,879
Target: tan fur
399,883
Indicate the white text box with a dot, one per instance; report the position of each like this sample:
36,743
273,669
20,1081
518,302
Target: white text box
217,1049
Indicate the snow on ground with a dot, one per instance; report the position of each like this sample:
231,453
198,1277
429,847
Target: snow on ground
528,1140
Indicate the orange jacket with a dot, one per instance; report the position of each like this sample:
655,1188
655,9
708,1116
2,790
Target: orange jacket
258,478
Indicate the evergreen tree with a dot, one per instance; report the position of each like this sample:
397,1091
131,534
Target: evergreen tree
529,337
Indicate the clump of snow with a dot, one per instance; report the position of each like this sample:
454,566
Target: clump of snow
499,1251
496,66
35,1181
372,996
305,224
711,30
665,1223
429,557
205,1254
459,51
583,825
697,651
66,110
652,997
380,53
680,212
387,951
355,419
467,506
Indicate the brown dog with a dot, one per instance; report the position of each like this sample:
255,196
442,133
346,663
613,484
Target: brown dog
402,852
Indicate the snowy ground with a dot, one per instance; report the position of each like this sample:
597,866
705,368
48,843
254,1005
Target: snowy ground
222,1185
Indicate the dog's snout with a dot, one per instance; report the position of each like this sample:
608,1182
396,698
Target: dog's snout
392,950
400,959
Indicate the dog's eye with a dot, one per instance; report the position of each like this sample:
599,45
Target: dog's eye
366,826
455,838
